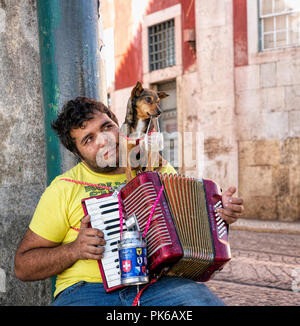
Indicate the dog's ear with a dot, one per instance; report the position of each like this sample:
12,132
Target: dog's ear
129,114
162,95
137,90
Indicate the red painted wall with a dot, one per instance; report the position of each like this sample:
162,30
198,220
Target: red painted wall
156,5
131,68
188,22
240,32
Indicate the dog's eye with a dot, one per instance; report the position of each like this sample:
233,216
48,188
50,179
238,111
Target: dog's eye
148,100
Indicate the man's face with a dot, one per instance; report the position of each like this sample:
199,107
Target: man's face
98,143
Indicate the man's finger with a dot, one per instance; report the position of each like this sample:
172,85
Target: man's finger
230,191
236,200
96,250
229,220
234,208
94,256
96,241
85,222
225,213
90,232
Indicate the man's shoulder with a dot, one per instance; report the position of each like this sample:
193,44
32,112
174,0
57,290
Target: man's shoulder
71,174
168,168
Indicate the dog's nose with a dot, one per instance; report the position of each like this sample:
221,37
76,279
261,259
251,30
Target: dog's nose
158,111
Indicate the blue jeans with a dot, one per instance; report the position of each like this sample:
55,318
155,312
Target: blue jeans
168,291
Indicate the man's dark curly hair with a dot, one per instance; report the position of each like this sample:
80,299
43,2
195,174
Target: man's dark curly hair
73,114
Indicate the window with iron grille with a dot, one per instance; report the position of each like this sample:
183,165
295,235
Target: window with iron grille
168,122
279,23
161,45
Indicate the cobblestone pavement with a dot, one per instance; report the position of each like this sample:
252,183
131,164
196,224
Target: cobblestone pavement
264,270
234,294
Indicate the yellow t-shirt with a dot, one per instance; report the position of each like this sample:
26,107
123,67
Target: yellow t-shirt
60,208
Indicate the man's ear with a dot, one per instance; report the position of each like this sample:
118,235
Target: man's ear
137,90
162,95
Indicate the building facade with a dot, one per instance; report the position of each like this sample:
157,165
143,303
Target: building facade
231,68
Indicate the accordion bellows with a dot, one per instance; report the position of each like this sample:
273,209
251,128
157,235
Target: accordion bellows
186,200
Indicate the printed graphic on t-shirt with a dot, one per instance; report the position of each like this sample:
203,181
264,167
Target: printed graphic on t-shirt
95,191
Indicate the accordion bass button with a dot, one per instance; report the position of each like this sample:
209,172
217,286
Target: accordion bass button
220,221
218,204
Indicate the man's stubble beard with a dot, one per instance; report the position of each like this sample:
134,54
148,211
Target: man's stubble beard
92,164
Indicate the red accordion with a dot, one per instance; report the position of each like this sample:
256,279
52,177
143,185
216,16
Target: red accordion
185,233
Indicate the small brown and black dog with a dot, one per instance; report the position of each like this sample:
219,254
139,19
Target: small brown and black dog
141,117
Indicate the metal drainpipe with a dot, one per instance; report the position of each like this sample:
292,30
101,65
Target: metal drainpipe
70,66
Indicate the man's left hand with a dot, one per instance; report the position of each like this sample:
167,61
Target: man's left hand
232,206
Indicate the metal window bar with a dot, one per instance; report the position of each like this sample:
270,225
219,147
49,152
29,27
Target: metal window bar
299,33
287,30
275,32
161,45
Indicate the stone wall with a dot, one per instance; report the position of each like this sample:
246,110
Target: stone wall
268,111
215,107
22,159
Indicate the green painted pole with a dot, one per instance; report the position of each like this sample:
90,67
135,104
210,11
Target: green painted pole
50,87
70,65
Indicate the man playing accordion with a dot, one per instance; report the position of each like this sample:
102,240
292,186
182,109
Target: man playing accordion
59,241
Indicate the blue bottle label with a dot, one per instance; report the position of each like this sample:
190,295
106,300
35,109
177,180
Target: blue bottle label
133,262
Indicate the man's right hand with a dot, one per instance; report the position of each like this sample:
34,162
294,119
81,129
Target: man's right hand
38,258
89,243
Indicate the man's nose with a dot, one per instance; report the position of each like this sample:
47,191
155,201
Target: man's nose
102,139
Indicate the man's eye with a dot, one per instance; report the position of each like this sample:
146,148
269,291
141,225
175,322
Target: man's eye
89,140
108,127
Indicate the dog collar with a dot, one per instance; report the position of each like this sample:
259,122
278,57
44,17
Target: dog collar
136,139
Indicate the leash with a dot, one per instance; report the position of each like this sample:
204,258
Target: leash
152,211
137,139
136,301
87,184
149,218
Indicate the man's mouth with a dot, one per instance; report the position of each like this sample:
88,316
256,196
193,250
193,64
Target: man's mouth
111,151
107,153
